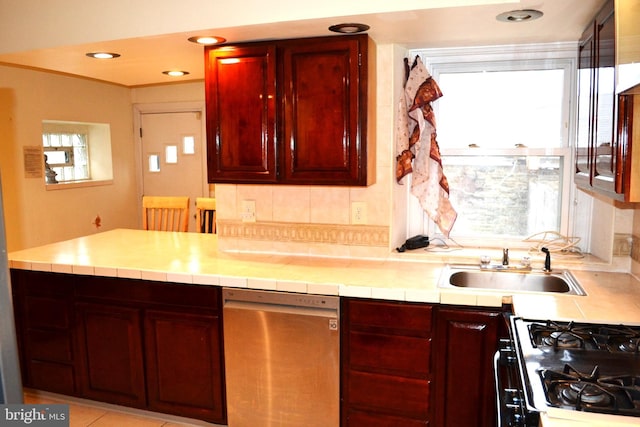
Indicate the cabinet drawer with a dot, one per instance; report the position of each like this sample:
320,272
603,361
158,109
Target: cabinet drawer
207,297
414,318
49,345
373,419
43,283
400,354
141,291
395,395
46,313
54,377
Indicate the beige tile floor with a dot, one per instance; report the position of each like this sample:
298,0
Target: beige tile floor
85,413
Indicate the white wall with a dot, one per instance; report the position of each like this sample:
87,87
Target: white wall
35,216
28,24
182,92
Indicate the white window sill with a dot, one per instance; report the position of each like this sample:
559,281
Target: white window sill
77,184
462,255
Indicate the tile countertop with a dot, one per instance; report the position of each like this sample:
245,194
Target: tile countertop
194,258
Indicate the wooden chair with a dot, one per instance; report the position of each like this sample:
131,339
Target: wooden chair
165,213
206,214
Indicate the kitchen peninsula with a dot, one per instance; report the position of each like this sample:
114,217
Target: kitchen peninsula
108,264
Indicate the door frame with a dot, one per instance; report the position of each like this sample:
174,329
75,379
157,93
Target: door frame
159,108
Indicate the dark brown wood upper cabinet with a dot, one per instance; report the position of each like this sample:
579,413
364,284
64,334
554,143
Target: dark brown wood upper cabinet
604,141
596,145
290,112
604,158
241,114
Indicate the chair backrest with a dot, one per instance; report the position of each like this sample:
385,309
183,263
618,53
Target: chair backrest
206,214
165,213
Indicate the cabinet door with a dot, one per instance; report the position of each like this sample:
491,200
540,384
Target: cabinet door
110,340
626,182
586,76
604,141
184,364
241,106
466,342
324,111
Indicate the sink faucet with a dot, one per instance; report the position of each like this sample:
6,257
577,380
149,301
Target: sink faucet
547,260
505,256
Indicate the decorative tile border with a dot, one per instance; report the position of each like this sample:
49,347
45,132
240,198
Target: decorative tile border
635,248
354,235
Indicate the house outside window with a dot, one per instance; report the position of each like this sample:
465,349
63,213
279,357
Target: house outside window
504,126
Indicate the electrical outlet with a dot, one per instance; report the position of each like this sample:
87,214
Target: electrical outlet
248,211
358,213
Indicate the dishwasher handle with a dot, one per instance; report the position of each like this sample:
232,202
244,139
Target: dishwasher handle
284,302
279,308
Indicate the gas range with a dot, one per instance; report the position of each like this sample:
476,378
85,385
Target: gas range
579,370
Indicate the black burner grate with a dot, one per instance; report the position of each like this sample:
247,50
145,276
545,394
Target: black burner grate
559,335
591,392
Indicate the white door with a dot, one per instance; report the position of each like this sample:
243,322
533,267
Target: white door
172,156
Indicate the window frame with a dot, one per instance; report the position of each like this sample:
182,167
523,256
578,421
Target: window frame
504,58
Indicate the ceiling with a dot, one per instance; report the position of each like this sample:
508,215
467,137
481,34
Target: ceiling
143,59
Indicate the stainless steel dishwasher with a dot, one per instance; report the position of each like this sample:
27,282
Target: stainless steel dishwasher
282,357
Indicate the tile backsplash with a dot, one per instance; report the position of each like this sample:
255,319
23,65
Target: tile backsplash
335,234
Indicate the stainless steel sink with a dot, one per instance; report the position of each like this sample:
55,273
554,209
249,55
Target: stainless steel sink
500,278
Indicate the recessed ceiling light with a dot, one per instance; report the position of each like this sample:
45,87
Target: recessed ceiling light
207,40
350,28
522,15
103,55
175,73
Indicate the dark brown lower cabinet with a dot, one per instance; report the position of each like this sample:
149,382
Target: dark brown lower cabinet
386,356
43,310
183,361
137,343
412,364
110,341
466,341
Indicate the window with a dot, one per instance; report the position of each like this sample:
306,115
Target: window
77,152
188,144
503,126
171,154
67,153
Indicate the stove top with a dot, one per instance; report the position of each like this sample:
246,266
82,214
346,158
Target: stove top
589,337
579,366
